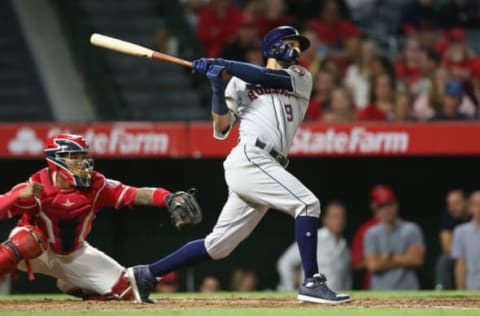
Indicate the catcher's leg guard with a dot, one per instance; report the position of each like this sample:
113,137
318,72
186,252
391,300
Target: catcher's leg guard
28,243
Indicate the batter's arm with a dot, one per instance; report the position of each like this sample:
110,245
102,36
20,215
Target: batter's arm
222,123
257,75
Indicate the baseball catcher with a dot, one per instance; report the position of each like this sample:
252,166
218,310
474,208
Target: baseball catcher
57,206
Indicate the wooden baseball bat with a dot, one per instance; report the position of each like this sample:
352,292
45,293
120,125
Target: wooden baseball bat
134,49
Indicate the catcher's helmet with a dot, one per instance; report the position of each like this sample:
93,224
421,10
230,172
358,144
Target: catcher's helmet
282,33
75,170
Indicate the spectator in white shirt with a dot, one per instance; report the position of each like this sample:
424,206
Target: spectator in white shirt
333,253
358,75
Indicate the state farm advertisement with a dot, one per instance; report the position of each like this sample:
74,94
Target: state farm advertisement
352,140
195,140
107,140
387,139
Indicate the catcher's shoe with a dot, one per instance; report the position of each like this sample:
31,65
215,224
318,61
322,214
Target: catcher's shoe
142,283
315,290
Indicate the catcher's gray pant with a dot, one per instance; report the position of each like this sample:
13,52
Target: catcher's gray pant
256,183
87,268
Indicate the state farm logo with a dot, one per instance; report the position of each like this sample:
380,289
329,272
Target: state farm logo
358,140
25,142
121,141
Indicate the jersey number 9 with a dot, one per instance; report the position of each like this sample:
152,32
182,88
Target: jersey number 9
289,112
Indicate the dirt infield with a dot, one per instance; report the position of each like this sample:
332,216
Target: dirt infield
235,302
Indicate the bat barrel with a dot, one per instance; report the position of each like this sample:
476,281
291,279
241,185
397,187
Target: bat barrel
120,46
134,49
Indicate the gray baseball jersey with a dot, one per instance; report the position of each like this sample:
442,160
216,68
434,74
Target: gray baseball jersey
255,179
272,115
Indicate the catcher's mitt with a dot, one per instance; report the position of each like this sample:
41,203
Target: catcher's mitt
183,208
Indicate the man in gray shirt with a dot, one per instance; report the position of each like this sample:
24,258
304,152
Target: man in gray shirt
393,249
466,250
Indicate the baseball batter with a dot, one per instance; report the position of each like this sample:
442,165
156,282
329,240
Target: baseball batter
270,103
58,205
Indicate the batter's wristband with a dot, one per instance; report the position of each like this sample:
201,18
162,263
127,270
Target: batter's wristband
159,196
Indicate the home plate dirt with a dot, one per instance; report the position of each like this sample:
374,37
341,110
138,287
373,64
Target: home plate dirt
236,302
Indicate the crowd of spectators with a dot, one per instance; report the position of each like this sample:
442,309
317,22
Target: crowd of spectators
387,250
435,75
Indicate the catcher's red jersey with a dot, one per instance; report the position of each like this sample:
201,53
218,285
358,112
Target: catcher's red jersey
66,215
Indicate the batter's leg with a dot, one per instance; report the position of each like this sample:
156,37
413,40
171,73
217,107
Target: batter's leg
236,221
270,184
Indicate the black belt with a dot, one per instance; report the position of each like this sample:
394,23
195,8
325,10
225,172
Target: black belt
282,160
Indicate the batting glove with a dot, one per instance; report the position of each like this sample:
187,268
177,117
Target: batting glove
214,74
201,65
283,51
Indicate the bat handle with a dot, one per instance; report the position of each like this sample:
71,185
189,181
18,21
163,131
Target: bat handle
171,59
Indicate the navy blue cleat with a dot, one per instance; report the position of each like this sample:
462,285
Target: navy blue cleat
142,282
315,290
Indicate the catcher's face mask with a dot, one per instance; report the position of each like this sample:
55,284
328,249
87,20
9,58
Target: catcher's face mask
79,166
68,155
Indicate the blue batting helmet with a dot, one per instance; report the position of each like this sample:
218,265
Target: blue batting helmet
282,33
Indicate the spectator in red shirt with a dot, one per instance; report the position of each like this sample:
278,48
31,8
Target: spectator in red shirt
322,93
245,38
457,56
430,37
341,107
379,195
407,68
217,24
332,28
272,13
382,92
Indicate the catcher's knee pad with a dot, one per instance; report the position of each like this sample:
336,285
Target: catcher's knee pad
27,243
311,207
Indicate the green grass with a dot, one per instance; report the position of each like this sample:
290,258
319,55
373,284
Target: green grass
290,311
264,312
